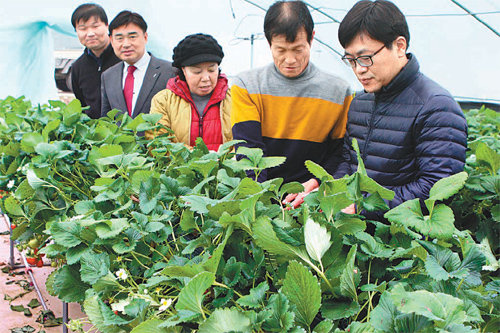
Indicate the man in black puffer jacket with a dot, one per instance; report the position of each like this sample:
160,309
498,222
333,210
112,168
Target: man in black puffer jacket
410,130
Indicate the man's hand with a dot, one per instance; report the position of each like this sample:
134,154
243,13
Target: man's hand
351,209
296,199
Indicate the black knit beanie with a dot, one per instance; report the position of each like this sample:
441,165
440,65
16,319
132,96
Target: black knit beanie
195,49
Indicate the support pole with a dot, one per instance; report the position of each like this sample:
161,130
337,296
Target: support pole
65,317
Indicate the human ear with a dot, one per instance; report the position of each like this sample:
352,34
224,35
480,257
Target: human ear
400,44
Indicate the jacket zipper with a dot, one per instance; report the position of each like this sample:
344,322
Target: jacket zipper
370,129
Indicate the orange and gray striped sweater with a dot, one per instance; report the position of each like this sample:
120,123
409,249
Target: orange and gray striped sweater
302,118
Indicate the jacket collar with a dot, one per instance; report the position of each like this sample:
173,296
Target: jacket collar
181,89
405,77
106,53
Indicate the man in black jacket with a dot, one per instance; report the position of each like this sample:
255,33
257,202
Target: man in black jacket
411,132
91,26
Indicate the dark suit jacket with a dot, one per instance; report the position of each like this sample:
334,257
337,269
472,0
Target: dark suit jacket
156,77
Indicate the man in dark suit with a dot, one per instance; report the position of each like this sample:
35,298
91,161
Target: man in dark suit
130,85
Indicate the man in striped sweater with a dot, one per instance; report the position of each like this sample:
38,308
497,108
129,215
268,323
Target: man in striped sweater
291,108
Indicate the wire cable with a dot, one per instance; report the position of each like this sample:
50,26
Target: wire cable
317,39
477,18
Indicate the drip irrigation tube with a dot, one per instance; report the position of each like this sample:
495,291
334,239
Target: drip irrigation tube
29,271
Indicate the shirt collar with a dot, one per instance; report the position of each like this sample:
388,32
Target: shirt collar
142,63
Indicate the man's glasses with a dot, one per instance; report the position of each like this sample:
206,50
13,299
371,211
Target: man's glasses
363,61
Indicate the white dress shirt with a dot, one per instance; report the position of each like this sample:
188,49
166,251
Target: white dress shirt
141,68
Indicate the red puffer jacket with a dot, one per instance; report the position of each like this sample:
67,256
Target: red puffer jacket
208,126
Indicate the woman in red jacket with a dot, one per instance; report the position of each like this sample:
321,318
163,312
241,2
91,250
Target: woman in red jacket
197,101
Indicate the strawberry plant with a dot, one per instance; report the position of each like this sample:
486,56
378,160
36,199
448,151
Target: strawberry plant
150,236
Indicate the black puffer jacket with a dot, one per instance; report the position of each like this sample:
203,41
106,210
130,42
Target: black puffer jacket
411,134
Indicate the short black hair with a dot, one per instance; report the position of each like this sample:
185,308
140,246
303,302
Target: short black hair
286,18
126,17
86,11
380,19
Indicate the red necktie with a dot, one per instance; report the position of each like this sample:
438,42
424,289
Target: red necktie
128,89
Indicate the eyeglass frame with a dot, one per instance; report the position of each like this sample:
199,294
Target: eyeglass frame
347,60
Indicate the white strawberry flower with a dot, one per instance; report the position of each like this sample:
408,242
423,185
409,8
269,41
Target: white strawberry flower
120,305
10,184
121,274
165,304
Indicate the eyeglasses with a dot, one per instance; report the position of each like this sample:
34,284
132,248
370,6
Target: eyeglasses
363,61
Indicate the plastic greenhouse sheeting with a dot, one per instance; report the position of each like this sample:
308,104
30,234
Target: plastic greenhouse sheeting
452,47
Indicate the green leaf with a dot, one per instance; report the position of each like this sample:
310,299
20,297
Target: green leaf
372,247
53,250
191,296
30,140
435,270
226,320
93,266
317,170
488,156
333,203
66,233
204,167
34,303
366,184
317,239
347,279
361,166
198,203
439,225
34,181
24,191
147,197
382,317
256,297
266,238
357,327
67,284
446,187
270,162
151,325
13,207
92,309
229,207
129,244
187,220
74,254
111,228
375,203
110,318
326,326
282,319
435,306
50,127
335,310
292,187
238,221
253,154
348,224
303,291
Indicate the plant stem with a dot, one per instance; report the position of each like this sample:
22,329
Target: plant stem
218,284
140,263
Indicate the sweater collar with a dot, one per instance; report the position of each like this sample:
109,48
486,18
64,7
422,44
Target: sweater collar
406,76
308,72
